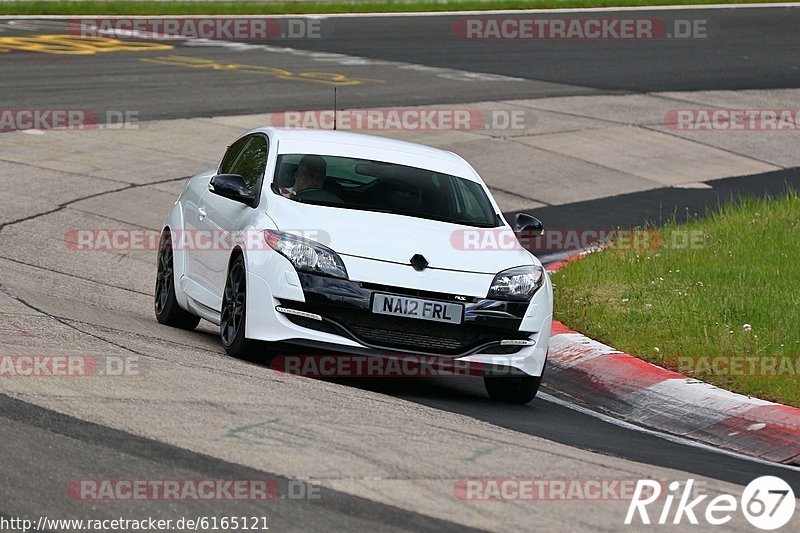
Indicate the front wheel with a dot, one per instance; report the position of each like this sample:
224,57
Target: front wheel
517,389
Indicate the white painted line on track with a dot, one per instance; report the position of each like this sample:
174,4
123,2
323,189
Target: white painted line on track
351,60
327,57
665,436
438,13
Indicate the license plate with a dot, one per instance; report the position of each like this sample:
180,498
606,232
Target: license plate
386,304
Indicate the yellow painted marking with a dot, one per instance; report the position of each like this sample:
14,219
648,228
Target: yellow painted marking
325,78
75,45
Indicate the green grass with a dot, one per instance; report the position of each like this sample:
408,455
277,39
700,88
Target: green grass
664,301
145,7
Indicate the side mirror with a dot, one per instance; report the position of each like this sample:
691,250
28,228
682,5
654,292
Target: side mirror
232,186
526,223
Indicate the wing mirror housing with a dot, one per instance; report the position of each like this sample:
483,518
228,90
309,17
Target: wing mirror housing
529,225
232,186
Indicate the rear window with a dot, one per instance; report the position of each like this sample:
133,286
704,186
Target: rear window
361,184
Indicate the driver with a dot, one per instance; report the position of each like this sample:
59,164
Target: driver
309,179
310,173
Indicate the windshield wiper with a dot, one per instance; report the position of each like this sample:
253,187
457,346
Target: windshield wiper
453,220
415,214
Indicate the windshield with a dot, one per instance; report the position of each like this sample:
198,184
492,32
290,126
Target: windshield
351,183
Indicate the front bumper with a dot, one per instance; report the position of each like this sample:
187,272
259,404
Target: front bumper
336,314
343,307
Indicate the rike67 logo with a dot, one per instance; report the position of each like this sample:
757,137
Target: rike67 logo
767,502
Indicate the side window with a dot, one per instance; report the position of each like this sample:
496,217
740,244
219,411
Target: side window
230,155
252,162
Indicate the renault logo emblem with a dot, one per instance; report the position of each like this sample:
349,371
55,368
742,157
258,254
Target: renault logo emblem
419,262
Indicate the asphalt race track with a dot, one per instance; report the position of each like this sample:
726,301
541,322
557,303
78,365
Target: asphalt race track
743,49
384,454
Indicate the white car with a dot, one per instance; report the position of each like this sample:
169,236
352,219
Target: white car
356,243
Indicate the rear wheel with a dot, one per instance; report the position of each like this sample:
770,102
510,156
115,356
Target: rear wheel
517,389
234,312
167,310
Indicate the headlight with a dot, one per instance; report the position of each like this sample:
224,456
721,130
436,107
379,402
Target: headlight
306,255
517,283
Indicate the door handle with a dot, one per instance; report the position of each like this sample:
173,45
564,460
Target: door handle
201,212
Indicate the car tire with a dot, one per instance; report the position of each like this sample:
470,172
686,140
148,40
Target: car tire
517,389
234,313
166,307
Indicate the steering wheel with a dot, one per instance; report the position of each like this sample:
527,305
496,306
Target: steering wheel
317,195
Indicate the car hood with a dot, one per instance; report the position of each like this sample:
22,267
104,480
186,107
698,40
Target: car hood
396,238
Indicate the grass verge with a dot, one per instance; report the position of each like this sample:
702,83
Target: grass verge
717,298
147,7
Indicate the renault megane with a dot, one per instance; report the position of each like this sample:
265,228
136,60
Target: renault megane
358,244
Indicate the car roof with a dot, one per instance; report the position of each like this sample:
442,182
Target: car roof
346,143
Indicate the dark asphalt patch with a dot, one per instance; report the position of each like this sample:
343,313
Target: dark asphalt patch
658,206
50,449
556,423
743,49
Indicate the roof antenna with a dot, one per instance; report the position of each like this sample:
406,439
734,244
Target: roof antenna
334,108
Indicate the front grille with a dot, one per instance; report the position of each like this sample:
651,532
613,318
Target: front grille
384,337
401,333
